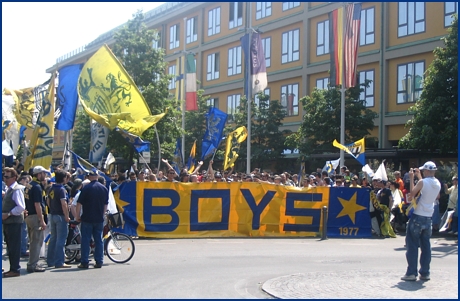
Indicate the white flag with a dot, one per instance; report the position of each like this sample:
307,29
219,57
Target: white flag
381,172
330,166
110,159
112,206
6,149
367,169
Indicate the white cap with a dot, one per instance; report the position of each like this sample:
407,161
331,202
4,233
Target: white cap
428,166
38,169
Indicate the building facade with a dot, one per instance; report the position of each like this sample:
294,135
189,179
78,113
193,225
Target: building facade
396,46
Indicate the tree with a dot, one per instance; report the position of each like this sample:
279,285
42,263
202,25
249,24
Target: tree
267,140
81,141
145,64
435,115
321,122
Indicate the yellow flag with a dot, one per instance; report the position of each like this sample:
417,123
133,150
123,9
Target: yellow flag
234,140
25,109
356,149
110,96
43,134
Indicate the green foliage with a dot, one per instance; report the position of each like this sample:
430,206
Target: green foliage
434,124
146,66
267,141
81,141
321,122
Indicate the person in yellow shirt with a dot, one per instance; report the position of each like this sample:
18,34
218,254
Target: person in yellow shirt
354,182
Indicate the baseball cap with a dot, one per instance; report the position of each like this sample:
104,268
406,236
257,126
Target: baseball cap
428,166
38,169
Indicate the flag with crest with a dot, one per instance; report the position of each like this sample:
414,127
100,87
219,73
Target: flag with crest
355,149
110,96
42,140
234,140
215,123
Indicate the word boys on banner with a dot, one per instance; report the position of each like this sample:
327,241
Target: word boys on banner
173,210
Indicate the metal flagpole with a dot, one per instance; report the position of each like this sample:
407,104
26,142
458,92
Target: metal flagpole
182,66
342,101
159,148
249,91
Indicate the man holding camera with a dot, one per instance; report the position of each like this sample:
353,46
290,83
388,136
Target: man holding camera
418,230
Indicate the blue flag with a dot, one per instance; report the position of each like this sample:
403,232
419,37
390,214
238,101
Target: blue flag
178,161
81,163
138,144
67,97
215,123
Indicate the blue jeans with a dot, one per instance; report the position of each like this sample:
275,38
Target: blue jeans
59,231
436,217
418,233
94,230
24,238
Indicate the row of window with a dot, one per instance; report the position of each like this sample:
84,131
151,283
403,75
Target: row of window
409,82
411,20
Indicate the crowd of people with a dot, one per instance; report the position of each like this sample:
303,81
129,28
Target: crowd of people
38,202
32,201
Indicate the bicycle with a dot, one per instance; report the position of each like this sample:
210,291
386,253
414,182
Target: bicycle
118,247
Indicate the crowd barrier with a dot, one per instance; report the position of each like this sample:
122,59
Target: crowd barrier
184,210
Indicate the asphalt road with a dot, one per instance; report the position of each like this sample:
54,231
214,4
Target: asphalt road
234,268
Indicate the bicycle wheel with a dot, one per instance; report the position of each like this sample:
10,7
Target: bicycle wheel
119,248
72,250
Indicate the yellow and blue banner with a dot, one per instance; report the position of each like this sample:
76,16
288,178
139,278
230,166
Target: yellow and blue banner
43,134
191,159
355,149
215,123
109,95
241,209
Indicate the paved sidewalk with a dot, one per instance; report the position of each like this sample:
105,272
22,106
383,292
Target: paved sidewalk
343,274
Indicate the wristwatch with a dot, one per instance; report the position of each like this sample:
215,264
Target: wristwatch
9,213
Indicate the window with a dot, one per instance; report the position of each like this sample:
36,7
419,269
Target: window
214,21
290,46
322,38
234,61
368,94
235,15
172,82
366,31
256,97
156,41
266,45
411,18
450,8
410,81
263,9
213,102
289,5
290,99
322,83
213,66
233,102
174,36
192,35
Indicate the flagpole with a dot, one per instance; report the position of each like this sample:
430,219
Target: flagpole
249,92
342,90
185,87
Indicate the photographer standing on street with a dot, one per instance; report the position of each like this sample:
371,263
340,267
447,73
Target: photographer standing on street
418,231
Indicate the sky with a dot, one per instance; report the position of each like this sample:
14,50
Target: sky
35,34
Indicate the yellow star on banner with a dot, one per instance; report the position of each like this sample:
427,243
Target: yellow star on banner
350,208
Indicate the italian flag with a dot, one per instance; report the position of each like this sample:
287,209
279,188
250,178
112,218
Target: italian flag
190,86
